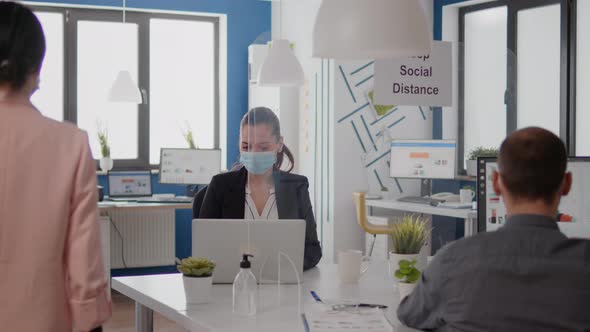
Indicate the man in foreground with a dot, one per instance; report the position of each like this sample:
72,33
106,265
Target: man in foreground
527,276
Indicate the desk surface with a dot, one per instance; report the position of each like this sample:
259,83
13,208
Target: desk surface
276,312
135,205
422,208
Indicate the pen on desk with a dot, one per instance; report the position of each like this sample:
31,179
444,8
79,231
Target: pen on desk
316,297
368,305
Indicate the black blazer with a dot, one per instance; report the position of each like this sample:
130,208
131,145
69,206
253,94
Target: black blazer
226,198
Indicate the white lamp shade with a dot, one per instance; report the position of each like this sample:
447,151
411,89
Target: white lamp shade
124,89
281,67
371,29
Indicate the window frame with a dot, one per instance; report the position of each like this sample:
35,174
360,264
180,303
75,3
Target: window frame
567,69
72,15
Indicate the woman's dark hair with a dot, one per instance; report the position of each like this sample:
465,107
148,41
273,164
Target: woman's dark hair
22,44
264,115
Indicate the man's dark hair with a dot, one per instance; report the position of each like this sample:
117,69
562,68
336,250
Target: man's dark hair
22,44
532,163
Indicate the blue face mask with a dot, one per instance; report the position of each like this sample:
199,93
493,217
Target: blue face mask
258,162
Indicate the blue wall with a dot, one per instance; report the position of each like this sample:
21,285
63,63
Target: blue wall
246,20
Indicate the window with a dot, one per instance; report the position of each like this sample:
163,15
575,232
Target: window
49,99
173,58
538,69
105,48
183,89
513,74
582,100
485,56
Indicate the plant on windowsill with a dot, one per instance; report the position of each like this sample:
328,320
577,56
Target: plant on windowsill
408,276
188,137
106,163
409,235
476,153
197,277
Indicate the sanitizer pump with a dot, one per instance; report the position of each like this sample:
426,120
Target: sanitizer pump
245,294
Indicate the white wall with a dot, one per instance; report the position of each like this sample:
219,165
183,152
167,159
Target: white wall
329,153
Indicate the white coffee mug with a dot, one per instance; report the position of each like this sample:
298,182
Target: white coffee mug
466,195
349,265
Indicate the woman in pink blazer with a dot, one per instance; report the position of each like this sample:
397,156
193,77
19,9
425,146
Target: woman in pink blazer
52,276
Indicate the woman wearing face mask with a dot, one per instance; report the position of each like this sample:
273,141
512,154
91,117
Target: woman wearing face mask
259,189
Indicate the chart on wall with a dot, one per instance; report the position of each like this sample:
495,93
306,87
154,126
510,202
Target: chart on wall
573,214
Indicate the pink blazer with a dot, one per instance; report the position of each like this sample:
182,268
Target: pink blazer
51,270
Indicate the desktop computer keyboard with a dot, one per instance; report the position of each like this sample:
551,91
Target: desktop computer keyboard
419,200
176,199
154,199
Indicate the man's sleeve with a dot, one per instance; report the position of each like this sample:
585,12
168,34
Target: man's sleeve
423,308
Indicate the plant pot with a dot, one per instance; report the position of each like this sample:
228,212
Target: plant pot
197,289
106,164
471,167
394,260
405,289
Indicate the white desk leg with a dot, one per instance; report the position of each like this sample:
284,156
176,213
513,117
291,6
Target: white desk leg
144,318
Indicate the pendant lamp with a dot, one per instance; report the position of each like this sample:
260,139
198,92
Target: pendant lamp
370,29
124,89
280,67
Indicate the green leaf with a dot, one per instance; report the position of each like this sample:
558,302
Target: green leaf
405,270
399,275
404,263
413,276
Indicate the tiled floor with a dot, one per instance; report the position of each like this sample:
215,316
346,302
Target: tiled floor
123,319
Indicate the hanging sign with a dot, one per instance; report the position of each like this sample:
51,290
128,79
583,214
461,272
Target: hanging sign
424,80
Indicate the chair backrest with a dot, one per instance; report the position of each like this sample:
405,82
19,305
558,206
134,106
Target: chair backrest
361,216
198,201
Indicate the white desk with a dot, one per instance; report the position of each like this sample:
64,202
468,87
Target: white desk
470,216
165,295
143,232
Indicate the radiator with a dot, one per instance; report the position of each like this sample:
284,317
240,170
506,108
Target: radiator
146,237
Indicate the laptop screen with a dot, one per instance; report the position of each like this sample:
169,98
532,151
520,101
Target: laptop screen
130,184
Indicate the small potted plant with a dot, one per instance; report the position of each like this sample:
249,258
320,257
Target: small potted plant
409,234
474,154
106,163
197,277
188,137
408,276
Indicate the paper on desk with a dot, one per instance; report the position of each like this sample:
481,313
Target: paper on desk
323,319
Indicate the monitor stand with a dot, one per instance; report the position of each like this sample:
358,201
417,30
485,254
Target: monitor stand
426,188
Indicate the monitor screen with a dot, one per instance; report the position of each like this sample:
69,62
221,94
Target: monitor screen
189,166
573,213
423,159
130,184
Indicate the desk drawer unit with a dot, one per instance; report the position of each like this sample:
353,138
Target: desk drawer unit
146,237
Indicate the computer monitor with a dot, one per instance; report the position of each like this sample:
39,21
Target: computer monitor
189,166
573,213
423,159
129,183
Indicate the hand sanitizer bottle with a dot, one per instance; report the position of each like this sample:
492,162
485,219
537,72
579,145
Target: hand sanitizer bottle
245,295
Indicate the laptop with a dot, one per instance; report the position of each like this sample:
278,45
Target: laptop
225,240
129,185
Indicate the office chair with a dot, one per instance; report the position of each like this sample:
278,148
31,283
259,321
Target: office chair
198,201
363,221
